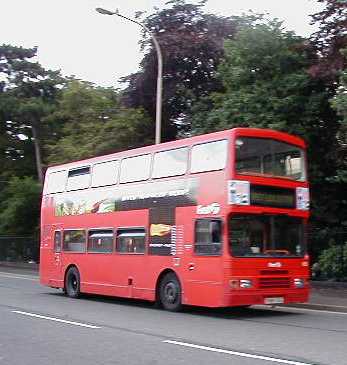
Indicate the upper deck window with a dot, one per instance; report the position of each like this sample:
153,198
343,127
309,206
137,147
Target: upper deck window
135,168
209,156
78,178
170,163
105,173
56,182
269,158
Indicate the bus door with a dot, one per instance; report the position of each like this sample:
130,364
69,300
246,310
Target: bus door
204,277
56,263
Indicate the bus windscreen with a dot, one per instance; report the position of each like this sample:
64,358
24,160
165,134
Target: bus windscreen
266,236
269,158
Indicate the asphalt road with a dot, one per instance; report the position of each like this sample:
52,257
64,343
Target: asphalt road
39,325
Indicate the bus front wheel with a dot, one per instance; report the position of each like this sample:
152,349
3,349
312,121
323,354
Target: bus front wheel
170,296
72,283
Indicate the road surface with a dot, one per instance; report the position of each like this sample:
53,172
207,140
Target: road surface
40,325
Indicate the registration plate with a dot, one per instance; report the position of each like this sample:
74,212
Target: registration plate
274,300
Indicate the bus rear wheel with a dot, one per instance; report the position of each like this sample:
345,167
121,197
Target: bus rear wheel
170,295
72,283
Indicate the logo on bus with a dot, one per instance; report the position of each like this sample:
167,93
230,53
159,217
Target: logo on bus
213,208
274,264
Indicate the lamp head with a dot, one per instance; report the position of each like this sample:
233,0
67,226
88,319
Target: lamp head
106,12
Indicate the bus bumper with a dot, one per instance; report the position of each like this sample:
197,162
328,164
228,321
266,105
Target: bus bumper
256,297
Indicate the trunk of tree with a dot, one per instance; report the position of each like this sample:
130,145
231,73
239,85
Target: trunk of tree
37,155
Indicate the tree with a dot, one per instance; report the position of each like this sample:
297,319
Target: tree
340,100
27,95
92,122
20,206
266,85
330,39
192,46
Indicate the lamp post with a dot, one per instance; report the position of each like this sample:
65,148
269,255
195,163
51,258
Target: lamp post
160,70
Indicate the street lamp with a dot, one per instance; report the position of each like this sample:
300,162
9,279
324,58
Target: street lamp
160,70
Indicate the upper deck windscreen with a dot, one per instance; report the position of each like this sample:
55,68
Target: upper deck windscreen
269,158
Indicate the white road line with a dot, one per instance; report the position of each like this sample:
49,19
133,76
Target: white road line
24,277
300,310
237,353
55,319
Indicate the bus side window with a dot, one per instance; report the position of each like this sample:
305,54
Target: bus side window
208,237
57,241
100,240
74,240
131,240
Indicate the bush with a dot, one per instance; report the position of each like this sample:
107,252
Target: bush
333,262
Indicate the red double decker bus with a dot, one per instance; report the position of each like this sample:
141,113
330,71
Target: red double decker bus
216,220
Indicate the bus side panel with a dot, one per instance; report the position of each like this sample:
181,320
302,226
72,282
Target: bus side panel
45,252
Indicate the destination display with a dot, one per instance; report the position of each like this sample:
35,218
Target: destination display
271,196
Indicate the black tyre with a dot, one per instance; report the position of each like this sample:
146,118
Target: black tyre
170,294
72,283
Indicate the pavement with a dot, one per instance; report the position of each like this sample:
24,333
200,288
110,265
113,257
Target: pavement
325,295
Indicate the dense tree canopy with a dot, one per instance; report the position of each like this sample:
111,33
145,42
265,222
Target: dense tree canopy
192,47
92,122
330,39
27,94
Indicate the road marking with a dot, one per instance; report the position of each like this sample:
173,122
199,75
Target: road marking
237,353
55,319
297,309
24,277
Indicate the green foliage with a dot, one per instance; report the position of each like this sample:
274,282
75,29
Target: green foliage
339,102
27,95
92,122
333,262
20,206
265,84
330,38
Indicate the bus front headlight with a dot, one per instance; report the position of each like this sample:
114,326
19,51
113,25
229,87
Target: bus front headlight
299,283
246,284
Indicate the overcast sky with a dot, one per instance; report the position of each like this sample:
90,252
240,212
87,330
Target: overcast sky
72,37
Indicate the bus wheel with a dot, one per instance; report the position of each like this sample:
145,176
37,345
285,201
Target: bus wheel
72,283
170,293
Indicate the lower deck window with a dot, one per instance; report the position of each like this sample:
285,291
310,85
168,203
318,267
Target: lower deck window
100,241
131,240
74,240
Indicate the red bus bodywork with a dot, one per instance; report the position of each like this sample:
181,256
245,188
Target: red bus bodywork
206,280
